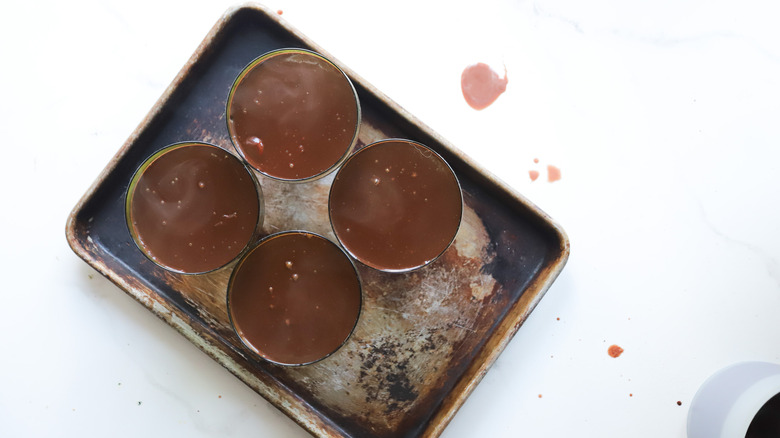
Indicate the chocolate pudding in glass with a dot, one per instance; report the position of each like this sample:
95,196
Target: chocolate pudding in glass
395,205
193,207
293,115
294,298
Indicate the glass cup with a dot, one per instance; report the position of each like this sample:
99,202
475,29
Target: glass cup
733,403
193,207
395,205
294,298
293,115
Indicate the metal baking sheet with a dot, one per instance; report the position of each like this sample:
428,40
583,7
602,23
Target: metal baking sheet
425,338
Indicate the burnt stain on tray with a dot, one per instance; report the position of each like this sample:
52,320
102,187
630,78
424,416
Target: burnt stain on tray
424,338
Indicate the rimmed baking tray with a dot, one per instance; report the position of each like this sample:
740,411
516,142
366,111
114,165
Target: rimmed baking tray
425,338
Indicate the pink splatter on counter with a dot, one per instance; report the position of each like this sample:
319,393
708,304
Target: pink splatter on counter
481,85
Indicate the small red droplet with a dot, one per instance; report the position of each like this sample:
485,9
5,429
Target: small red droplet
280,12
615,351
553,173
533,174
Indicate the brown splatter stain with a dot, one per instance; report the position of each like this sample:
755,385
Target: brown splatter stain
533,174
557,319
481,86
679,403
614,351
553,173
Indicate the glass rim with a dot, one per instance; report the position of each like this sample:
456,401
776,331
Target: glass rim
411,268
264,57
154,157
247,345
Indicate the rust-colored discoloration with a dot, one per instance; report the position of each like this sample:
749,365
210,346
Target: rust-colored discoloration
424,339
205,293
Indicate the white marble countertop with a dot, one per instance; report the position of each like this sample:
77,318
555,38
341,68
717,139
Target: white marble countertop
664,118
